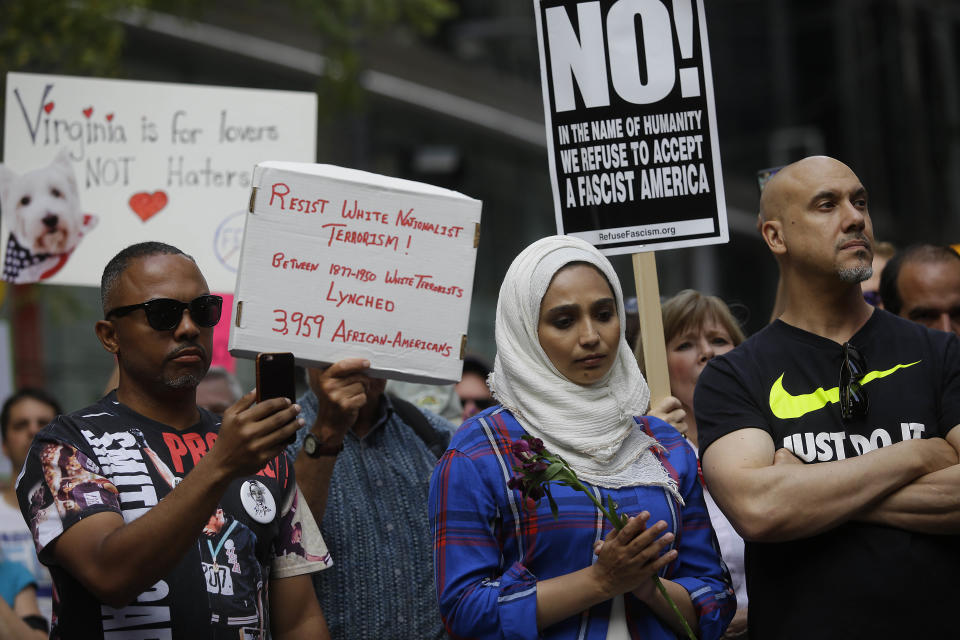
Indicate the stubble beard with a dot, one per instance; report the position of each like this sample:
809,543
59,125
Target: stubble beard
854,275
183,381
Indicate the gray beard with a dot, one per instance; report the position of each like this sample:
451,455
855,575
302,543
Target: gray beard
854,275
186,381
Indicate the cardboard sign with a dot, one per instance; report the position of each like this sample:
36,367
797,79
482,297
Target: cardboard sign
340,263
147,161
631,123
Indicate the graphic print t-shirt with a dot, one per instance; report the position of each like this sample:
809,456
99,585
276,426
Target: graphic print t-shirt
857,580
109,458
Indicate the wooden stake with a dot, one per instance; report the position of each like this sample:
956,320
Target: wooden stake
651,325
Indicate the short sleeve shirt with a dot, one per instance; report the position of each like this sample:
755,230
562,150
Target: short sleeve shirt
857,580
109,458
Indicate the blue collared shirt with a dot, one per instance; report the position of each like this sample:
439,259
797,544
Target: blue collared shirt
491,551
377,530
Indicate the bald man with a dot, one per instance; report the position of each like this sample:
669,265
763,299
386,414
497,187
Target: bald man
829,439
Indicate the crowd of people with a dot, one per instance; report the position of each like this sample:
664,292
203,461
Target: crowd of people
799,483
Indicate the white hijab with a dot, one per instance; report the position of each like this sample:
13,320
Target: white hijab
592,427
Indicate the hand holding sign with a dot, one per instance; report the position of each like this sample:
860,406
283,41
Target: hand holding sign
342,390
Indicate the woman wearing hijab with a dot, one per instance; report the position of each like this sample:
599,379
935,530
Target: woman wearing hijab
565,374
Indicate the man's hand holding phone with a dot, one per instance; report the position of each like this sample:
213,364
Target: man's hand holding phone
252,434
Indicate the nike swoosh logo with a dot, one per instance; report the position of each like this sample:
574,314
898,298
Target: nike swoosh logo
785,405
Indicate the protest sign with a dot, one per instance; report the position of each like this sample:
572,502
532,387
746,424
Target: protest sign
339,263
631,123
93,165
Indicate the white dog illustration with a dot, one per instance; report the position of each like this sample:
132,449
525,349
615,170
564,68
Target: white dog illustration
41,209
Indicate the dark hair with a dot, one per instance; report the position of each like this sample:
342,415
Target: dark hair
119,263
27,392
473,363
923,253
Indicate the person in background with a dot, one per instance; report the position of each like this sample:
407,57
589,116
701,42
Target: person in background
504,566
440,399
922,284
472,389
696,328
20,617
363,458
24,414
218,390
882,253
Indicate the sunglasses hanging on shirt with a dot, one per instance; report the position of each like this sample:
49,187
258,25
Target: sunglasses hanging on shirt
853,399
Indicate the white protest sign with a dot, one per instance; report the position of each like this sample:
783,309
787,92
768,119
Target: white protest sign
151,161
340,263
631,123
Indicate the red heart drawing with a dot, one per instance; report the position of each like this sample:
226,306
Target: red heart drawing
48,107
146,205
109,117
88,111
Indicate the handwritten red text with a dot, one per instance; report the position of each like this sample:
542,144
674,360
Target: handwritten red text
343,334
339,234
410,221
402,342
356,213
359,300
280,261
286,320
422,281
281,190
362,275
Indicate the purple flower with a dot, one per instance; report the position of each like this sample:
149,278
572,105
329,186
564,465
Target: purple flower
534,466
516,482
536,444
521,449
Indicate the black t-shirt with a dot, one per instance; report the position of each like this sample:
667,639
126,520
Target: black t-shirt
109,458
857,580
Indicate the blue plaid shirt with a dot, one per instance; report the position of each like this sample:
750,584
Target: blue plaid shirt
489,552
376,528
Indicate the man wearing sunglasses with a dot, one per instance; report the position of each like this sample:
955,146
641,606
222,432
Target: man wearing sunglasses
120,495
826,437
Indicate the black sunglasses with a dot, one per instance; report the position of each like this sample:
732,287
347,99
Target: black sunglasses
853,399
164,314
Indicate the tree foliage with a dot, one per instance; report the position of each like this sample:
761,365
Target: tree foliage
83,37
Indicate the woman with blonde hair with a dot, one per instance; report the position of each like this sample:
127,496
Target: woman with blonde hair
697,328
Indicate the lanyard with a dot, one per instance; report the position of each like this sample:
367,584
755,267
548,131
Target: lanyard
214,554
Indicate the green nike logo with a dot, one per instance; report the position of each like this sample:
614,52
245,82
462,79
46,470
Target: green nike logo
785,405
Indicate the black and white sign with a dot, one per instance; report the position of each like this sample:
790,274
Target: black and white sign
631,123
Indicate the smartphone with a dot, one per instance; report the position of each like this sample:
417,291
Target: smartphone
276,378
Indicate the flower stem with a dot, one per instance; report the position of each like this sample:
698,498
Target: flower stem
663,591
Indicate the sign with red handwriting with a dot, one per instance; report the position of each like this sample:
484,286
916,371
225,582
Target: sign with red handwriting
91,166
339,263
